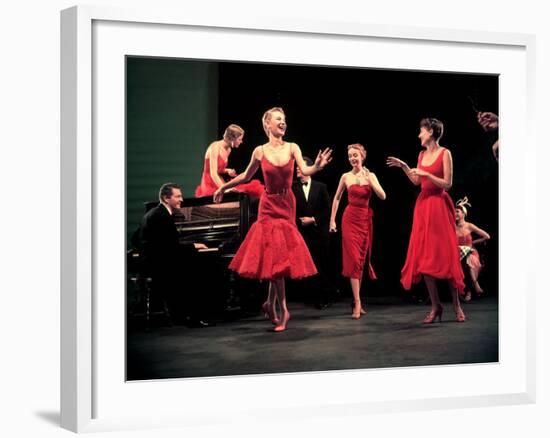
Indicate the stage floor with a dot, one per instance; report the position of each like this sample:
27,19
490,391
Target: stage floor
390,335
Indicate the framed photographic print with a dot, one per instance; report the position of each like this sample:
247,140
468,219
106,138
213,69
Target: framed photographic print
150,99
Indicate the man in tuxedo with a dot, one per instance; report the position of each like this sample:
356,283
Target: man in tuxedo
163,255
312,219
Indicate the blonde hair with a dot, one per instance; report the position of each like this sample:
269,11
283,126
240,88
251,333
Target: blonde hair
360,148
267,117
232,132
462,203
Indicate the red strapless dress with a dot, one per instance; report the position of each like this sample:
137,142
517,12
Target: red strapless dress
207,186
273,247
357,232
433,246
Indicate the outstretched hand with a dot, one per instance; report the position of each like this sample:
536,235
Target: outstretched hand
323,158
396,162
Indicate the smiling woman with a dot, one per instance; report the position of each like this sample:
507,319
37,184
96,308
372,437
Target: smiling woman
273,248
356,222
432,250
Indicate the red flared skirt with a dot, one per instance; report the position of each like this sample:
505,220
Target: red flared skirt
433,245
273,247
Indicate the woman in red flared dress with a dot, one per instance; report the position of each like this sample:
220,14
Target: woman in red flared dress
215,170
357,227
433,252
468,252
273,248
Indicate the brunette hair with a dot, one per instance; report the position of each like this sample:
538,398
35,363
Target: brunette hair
436,126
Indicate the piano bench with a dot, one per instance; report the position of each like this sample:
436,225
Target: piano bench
144,290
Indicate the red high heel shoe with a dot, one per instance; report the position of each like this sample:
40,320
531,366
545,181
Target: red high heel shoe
267,314
460,317
282,326
431,317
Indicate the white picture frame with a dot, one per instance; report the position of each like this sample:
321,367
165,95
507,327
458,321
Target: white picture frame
93,397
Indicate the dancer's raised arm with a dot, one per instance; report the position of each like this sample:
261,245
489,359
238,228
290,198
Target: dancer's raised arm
323,158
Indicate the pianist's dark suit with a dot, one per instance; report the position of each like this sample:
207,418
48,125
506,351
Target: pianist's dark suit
159,240
316,235
167,261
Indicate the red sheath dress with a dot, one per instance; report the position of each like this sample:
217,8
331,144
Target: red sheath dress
357,232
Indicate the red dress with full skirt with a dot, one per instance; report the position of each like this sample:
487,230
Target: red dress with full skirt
207,186
273,247
357,232
433,246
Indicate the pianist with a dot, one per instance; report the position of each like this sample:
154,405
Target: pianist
164,255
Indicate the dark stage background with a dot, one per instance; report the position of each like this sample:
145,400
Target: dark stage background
324,106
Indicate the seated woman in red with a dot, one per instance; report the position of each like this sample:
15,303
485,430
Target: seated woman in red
432,252
215,171
466,244
356,221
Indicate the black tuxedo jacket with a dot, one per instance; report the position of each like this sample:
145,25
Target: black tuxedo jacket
159,241
317,206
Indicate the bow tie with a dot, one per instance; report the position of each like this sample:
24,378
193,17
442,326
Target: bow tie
304,183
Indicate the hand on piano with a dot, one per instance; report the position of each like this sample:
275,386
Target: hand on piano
200,246
218,195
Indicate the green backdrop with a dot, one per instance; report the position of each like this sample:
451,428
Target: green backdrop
171,116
